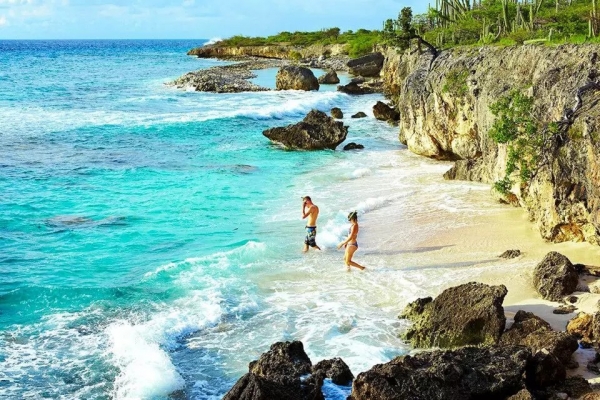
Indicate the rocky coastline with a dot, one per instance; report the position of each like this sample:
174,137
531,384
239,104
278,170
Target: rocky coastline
465,348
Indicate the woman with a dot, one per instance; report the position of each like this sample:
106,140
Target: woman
351,242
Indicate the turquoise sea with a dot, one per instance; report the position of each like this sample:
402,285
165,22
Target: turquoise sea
150,238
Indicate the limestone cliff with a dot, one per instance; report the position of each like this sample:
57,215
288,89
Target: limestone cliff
281,51
444,106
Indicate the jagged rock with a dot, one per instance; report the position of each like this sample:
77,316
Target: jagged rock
329,78
220,79
277,375
574,386
465,373
464,315
522,395
335,369
510,254
316,131
532,331
545,369
293,77
383,112
359,114
562,310
353,146
525,323
555,277
355,89
337,113
367,66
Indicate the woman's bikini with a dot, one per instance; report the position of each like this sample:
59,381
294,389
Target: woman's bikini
355,243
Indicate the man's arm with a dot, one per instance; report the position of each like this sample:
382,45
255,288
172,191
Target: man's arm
306,214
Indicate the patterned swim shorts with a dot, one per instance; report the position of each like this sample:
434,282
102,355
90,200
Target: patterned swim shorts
311,236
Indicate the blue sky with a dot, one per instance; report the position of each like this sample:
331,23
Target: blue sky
153,19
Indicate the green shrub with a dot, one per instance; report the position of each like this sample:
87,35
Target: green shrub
456,82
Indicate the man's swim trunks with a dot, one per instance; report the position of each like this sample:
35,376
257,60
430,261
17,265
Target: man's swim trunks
311,236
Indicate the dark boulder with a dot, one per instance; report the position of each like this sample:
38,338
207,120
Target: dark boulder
317,131
544,370
466,373
355,89
335,369
353,146
468,314
337,113
535,333
525,323
367,66
522,395
329,78
359,114
383,112
555,277
293,77
508,254
277,375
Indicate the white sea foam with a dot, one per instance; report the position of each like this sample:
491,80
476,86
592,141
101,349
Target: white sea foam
140,350
213,41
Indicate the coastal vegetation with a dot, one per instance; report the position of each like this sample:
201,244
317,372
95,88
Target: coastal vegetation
504,22
357,43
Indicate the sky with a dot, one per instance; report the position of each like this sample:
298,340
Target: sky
193,19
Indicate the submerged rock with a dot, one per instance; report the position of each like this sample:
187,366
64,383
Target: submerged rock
317,131
329,78
359,114
466,373
468,314
353,146
555,277
355,89
293,77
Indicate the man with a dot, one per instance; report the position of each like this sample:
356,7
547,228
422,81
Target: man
310,211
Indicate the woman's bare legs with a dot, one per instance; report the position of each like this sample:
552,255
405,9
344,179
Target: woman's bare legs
350,250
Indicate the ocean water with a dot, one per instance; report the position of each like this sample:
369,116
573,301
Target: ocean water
150,238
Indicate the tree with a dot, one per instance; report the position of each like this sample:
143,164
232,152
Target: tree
402,31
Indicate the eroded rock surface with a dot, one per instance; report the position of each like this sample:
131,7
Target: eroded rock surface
468,314
555,277
317,131
293,77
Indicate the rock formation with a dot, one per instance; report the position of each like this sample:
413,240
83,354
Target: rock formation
222,79
337,113
466,373
445,108
359,114
353,146
317,131
468,314
292,77
329,78
367,66
384,112
555,277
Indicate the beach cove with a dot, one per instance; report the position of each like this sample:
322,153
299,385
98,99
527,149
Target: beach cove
151,237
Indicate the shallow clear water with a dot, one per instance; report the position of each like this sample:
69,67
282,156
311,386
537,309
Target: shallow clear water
150,237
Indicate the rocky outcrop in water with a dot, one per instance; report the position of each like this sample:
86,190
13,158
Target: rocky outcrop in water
293,77
277,375
329,78
223,79
445,107
353,146
384,112
317,131
555,277
359,114
337,113
367,66
466,373
468,314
